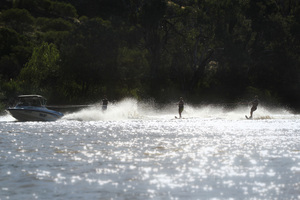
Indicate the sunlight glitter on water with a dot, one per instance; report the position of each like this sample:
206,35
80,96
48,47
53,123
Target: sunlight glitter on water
152,156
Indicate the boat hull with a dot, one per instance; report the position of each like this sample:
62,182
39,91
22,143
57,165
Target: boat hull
27,114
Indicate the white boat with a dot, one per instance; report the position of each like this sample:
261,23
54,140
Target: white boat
33,108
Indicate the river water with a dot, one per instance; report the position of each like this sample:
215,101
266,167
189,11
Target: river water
133,151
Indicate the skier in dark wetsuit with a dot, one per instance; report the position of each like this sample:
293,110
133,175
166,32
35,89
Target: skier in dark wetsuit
180,106
104,103
254,106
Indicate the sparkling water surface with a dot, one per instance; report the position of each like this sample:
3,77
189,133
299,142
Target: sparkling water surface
129,153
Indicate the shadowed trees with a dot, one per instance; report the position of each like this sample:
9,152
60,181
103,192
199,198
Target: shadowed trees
206,50
89,57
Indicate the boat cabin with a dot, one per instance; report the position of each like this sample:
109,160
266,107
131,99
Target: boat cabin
31,100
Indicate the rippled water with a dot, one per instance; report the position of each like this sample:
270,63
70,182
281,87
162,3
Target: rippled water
129,153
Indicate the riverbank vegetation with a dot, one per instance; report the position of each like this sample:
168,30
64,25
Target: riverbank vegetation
74,51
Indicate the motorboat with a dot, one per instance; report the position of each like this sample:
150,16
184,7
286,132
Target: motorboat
33,108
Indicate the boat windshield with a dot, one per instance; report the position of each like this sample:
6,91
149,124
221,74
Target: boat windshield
39,102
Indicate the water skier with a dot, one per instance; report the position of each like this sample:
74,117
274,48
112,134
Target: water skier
104,103
180,106
254,107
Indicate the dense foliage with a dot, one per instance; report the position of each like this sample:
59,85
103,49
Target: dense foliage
75,51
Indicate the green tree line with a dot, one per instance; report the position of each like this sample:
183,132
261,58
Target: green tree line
75,51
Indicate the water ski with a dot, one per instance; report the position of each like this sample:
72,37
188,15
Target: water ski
180,117
248,117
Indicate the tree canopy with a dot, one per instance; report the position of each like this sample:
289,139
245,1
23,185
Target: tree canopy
75,51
